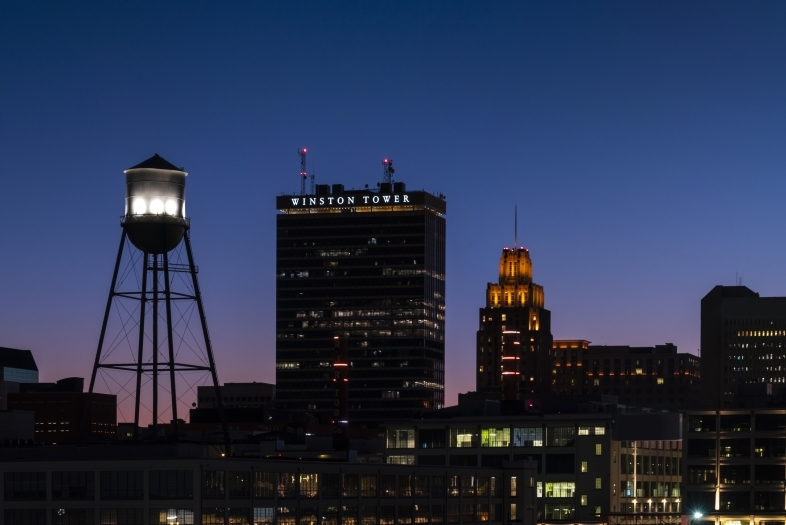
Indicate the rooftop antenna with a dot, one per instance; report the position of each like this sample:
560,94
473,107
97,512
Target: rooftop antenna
303,176
516,226
388,171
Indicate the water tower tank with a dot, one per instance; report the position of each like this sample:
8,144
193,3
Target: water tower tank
155,205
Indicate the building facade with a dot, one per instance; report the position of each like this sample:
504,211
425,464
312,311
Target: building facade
369,265
514,304
238,395
733,466
743,340
653,376
181,485
577,459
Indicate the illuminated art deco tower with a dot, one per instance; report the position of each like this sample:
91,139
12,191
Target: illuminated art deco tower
514,306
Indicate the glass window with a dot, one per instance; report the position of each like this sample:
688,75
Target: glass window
213,484
401,438
25,516
597,483
561,489
495,437
483,486
387,515
121,517
239,485
286,515
421,514
528,437
404,486
438,514
404,514
584,467
73,485
368,486
171,484
350,485
309,485
467,486
331,486
212,516
170,516
559,511
368,515
264,515
401,460
73,516
454,487
308,516
239,516
286,486
463,437
560,436
598,449
513,487
421,486
122,484
388,486
263,484
437,486
583,500
24,486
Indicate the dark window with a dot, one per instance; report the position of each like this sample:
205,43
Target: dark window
431,438
770,422
702,423
769,473
769,447
560,436
701,448
350,485
701,474
735,448
213,484
25,486
25,516
122,484
732,474
171,484
421,486
286,486
330,486
404,486
263,484
735,501
73,485
463,461
768,500
560,463
437,486
431,459
387,486
239,484
73,516
735,422
493,460
122,517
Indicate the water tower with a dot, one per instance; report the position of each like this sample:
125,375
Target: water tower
154,300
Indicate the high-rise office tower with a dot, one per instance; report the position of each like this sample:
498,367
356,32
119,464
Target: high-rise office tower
368,265
514,304
743,340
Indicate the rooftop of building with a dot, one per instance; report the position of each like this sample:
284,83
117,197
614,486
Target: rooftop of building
13,358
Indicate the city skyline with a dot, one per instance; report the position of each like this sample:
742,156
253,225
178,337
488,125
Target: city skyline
641,142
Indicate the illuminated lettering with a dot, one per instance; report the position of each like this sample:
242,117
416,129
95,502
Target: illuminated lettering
350,200
365,199
386,198
322,200
295,201
406,198
396,199
340,200
330,200
312,200
375,199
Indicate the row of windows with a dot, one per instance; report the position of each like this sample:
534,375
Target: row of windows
178,484
736,474
489,437
652,465
305,515
736,422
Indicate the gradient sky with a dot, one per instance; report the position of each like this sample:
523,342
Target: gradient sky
642,141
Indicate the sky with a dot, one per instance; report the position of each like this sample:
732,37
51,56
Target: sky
643,143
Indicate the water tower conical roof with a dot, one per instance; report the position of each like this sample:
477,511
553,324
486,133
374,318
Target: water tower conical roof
156,162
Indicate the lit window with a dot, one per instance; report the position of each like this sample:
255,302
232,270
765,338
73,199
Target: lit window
504,317
600,431
560,489
583,500
597,483
513,488
597,509
660,380
598,449
584,468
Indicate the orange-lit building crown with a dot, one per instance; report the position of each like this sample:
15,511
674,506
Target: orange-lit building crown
515,287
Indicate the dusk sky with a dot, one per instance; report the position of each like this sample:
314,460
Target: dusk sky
644,143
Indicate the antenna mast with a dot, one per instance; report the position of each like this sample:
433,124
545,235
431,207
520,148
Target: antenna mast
303,176
388,171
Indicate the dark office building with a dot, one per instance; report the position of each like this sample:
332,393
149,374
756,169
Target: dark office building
369,265
514,304
656,377
17,365
743,340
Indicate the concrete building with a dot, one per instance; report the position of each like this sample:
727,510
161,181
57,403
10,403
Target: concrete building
238,395
656,377
369,265
185,484
743,340
577,457
515,304
59,408
733,466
